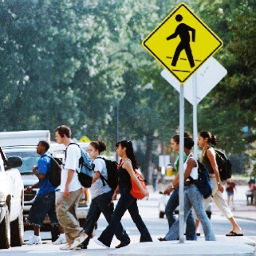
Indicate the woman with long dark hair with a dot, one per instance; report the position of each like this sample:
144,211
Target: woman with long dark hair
101,194
126,202
206,140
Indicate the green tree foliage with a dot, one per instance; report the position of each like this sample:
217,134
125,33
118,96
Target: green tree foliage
73,61
234,22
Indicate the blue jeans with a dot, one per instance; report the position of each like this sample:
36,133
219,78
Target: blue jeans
192,197
102,204
126,202
155,185
172,204
42,206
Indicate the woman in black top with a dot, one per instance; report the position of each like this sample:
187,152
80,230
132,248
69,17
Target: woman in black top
205,141
126,202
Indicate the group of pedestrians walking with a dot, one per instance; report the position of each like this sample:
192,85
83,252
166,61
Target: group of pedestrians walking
192,196
64,199
60,202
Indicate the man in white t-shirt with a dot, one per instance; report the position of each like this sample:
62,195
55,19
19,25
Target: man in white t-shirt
70,188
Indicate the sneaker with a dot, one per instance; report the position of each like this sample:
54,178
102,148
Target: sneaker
65,247
34,240
98,242
78,241
61,240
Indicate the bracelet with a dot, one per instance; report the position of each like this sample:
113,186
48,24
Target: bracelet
218,183
172,187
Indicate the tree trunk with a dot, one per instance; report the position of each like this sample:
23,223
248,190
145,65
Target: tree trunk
148,156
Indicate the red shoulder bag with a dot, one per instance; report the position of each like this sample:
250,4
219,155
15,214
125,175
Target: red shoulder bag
135,190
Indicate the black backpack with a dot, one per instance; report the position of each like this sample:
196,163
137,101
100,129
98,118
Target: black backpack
112,179
54,172
203,182
85,173
224,165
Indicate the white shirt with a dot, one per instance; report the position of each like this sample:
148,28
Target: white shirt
194,171
73,155
97,187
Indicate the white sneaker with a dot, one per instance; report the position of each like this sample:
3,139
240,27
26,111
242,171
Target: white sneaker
34,240
61,240
65,247
98,242
79,240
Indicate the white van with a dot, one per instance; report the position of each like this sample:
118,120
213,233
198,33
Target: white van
24,138
23,144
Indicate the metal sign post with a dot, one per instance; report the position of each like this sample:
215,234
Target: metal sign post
195,130
181,167
205,44
194,90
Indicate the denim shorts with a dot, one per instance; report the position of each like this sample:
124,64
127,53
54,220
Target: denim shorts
230,193
42,206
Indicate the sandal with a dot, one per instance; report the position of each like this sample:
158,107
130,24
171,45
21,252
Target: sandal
232,233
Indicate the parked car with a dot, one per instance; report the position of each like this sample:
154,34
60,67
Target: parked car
11,202
29,158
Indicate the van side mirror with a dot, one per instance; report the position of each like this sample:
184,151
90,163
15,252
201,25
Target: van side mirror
13,162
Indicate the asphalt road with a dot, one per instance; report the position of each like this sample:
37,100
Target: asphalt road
157,227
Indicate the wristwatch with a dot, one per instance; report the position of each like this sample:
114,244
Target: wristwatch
218,183
172,187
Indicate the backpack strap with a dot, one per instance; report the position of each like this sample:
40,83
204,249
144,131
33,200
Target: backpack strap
103,179
51,159
205,153
71,143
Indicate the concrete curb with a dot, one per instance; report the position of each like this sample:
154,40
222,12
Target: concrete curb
244,218
235,247
236,216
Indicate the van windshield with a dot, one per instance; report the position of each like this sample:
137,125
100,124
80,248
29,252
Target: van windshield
29,159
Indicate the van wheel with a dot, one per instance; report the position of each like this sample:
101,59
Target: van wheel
17,230
5,241
161,215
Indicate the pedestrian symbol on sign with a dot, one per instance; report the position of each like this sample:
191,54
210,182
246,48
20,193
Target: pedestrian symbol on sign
182,31
182,43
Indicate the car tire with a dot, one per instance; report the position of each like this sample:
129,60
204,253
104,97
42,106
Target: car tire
5,233
17,230
161,215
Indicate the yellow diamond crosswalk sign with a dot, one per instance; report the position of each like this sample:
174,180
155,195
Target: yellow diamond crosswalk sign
182,42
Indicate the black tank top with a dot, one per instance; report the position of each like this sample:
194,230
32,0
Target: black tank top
207,163
124,179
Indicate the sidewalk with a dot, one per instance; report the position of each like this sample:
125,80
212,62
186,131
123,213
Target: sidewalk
240,208
235,246
244,211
